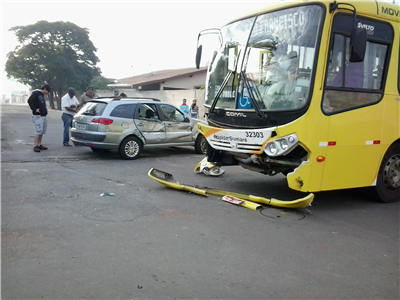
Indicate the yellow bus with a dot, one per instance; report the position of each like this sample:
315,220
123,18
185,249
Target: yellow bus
309,89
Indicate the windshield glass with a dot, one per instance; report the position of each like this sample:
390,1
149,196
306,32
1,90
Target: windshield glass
92,109
266,61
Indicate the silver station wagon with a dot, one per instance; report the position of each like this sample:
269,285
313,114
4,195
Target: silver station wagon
129,125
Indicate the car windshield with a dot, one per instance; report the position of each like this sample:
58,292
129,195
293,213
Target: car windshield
266,61
92,109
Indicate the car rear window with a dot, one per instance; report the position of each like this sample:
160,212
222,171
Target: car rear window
93,109
124,111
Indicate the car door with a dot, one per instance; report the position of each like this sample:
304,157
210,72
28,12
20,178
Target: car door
148,122
177,125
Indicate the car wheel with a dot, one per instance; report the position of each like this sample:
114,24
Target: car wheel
388,182
130,148
201,144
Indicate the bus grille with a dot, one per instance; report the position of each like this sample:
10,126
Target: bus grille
242,122
238,147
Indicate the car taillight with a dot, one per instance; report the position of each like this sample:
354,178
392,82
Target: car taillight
103,121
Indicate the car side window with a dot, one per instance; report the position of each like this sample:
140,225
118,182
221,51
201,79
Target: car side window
148,112
172,114
125,111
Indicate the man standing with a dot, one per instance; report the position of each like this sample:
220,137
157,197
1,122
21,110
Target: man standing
37,103
194,109
89,95
69,105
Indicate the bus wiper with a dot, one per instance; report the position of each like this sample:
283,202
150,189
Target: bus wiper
221,89
225,82
260,114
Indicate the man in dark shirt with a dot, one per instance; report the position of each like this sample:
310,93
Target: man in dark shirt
37,103
89,95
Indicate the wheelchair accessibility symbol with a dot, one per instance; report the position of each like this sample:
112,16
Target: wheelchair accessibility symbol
244,100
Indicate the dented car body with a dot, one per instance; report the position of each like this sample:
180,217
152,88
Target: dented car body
129,125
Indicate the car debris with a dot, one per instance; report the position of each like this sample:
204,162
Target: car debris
204,166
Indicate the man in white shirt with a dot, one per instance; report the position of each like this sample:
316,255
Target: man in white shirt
69,106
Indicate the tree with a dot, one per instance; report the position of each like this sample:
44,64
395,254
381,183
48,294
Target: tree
101,83
58,53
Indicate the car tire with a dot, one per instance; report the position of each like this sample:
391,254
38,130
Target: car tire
130,148
201,144
388,181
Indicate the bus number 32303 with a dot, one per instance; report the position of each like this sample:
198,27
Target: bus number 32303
254,134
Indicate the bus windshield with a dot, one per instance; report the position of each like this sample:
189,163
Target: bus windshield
266,61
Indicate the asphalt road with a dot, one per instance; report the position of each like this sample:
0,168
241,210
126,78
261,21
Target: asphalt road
62,240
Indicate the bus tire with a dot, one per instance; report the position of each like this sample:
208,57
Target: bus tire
388,182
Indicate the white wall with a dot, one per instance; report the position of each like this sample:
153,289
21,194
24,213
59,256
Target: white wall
185,82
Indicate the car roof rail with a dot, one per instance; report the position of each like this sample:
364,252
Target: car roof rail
135,98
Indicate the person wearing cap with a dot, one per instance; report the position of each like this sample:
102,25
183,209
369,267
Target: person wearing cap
37,103
89,95
115,94
69,106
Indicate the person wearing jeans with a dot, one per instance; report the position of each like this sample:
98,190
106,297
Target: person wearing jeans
70,106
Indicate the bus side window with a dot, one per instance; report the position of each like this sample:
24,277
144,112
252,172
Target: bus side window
344,74
351,85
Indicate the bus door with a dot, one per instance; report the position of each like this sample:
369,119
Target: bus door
353,101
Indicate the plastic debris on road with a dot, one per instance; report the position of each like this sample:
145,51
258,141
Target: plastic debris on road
107,194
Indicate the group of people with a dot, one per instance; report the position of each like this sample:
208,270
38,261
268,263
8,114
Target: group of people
116,94
193,109
69,106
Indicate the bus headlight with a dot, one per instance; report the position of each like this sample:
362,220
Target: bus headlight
281,146
272,148
284,144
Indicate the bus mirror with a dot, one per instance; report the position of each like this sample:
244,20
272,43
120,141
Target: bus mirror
198,56
358,44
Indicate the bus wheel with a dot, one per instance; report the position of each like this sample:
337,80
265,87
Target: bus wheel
388,182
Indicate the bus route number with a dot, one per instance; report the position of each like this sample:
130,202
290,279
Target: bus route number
254,134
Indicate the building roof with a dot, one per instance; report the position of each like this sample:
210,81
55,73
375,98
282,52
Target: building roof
156,76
